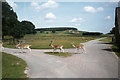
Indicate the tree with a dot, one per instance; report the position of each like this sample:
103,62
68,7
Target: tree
9,18
112,31
47,32
18,31
41,31
11,26
29,27
53,31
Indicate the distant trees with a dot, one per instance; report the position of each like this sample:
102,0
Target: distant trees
41,31
53,31
92,33
56,29
11,26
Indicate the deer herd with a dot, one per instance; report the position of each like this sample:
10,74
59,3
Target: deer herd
55,47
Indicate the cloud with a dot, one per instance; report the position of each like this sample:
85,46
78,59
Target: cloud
12,4
34,4
76,20
91,9
50,17
77,24
108,18
49,5
100,9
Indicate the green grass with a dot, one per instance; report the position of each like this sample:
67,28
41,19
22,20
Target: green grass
61,54
108,39
116,49
9,46
42,40
10,69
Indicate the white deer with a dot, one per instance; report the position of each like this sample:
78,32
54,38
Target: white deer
78,47
60,47
23,46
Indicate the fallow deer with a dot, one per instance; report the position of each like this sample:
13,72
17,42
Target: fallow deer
23,46
78,47
56,46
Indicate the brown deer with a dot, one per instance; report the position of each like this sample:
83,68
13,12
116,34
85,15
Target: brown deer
78,47
23,46
60,47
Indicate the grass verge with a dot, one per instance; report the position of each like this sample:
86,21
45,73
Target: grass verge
108,39
65,54
114,47
13,67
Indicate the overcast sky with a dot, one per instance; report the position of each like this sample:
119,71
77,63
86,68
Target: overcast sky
86,16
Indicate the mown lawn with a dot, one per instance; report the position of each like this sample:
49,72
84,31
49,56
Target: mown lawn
12,66
61,54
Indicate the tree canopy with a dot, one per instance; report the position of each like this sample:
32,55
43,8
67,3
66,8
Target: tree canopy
11,26
112,31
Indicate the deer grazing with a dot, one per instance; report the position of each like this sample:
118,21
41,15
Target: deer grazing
23,46
78,47
60,47
1,46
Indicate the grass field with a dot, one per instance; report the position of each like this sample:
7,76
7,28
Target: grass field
11,68
42,40
59,54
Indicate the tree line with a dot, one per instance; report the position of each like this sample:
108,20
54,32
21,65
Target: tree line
11,26
92,33
56,29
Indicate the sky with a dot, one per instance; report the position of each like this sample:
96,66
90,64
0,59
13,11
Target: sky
85,16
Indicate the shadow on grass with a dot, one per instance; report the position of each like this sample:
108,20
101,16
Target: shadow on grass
110,50
105,43
116,49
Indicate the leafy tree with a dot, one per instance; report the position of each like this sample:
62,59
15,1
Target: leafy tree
112,31
11,26
47,32
53,31
28,27
18,31
9,18
41,31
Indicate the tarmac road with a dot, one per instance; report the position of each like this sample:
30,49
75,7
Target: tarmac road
98,62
